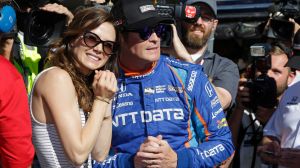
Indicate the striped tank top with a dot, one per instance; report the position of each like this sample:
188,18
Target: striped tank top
47,143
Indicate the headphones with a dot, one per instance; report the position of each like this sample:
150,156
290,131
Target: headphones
7,18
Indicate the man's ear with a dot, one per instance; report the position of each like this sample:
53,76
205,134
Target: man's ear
215,24
291,77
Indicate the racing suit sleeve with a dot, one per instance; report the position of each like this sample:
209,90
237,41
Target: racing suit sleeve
210,127
120,160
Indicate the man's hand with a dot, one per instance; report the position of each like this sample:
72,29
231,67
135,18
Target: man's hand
155,153
243,95
289,157
269,152
264,114
59,9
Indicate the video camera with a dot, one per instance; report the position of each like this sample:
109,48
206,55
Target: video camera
41,27
263,90
280,26
178,12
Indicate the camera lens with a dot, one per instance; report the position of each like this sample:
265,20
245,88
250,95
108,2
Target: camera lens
39,28
43,27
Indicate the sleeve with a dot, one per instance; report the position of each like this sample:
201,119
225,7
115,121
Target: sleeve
16,149
210,126
120,160
227,77
274,125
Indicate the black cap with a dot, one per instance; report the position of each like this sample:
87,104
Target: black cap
294,61
136,14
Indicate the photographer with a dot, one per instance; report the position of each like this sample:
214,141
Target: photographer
29,59
281,143
248,118
196,32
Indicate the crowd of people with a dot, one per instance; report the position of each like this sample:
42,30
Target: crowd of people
107,94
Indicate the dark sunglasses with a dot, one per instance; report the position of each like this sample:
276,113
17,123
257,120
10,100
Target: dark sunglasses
91,40
146,32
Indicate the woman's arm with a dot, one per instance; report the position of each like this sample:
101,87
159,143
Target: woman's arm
60,96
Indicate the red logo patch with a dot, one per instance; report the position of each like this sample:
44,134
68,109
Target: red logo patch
190,11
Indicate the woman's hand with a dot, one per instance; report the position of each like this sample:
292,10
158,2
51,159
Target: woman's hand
104,85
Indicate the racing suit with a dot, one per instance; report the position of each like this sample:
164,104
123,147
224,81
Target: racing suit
174,100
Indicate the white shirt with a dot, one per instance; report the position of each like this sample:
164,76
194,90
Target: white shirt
285,122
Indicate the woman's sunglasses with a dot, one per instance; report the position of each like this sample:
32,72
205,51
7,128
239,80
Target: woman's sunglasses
91,40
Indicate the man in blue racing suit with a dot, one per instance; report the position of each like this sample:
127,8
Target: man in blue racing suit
166,113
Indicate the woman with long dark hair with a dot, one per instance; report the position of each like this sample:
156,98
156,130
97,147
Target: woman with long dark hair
70,100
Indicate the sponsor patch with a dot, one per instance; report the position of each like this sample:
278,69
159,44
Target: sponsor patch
149,91
166,99
215,113
148,116
147,8
211,152
208,89
175,89
160,89
214,102
222,123
192,80
123,95
293,101
190,11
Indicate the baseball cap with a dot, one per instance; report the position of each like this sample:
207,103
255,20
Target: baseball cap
137,14
211,3
294,61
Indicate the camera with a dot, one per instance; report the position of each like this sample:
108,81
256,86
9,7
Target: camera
41,28
280,26
178,12
263,90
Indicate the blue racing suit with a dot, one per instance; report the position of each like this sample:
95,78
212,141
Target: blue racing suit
174,100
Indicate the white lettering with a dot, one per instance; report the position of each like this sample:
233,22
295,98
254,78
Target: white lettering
133,114
124,104
148,116
208,89
213,151
214,114
121,95
166,99
178,114
192,80
158,115
214,102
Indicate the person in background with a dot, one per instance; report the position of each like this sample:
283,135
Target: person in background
166,112
29,59
281,141
70,100
16,149
247,120
196,33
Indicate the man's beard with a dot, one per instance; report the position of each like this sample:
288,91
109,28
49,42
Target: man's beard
193,41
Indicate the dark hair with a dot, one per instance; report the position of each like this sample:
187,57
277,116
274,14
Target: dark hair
60,54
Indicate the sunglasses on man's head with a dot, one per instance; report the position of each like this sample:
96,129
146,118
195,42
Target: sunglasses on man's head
91,40
146,32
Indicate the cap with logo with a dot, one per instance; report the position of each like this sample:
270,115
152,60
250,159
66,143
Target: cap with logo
211,3
136,14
